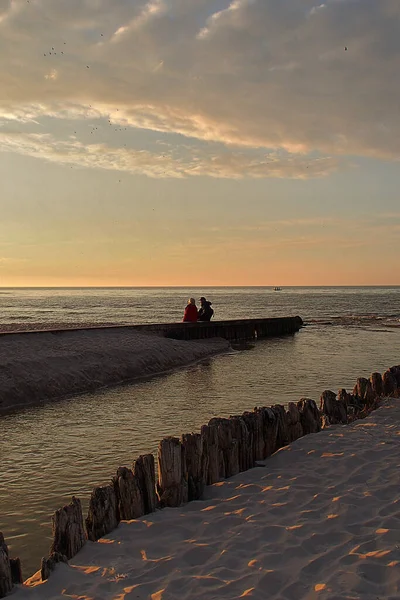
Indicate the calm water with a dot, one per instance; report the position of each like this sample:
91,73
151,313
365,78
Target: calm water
50,452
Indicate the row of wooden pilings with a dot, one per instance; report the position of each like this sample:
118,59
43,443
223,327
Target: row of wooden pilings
224,448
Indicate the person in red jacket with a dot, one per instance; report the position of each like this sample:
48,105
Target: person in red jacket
190,314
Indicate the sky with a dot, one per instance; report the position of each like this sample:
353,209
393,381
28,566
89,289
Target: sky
199,142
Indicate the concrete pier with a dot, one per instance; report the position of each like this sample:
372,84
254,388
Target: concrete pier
237,330
232,330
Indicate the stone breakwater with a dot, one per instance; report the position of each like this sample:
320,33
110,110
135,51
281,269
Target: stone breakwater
41,366
223,448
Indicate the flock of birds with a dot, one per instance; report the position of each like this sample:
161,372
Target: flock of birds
55,51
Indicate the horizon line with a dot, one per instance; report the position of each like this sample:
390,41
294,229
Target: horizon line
89,287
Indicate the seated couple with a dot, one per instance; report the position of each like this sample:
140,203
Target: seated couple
192,315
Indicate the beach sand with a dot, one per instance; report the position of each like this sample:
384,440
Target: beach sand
37,367
319,520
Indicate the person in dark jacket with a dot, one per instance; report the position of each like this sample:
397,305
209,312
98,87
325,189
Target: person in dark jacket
190,314
205,311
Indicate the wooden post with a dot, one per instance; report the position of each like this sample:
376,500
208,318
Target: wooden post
16,571
270,427
128,494
49,564
258,435
294,426
103,512
352,404
360,388
364,391
210,437
67,528
249,418
389,384
228,448
376,384
396,373
282,436
172,487
334,410
309,416
144,469
196,464
241,433
344,397
6,583
370,396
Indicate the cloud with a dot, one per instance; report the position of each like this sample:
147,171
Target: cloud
250,74
233,165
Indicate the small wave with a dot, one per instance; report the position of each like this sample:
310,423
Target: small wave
19,318
366,321
380,330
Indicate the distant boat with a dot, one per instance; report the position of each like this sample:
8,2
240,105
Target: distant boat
277,289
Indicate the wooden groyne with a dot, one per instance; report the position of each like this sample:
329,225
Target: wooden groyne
223,448
233,329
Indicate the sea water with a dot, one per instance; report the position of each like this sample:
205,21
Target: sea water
49,453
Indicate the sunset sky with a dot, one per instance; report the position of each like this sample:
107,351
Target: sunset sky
199,142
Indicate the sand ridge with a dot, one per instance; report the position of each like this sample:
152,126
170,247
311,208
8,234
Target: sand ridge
39,366
319,520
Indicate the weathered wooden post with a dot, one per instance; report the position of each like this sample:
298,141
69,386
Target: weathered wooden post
335,410
369,395
144,469
258,434
49,564
129,495
16,571
103,512
270,430
364,391
67,528
196,464
6,583
228,448
294,425
309,416
353,405
244,438
282,436
172,487
389,383
376,384
210,437
396,373
249,419
344,397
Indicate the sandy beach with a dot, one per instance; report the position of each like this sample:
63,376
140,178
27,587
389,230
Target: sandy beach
319,519
37,367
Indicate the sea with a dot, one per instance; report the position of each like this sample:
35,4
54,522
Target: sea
53,451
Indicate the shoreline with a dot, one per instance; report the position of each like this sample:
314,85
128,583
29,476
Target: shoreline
320,519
